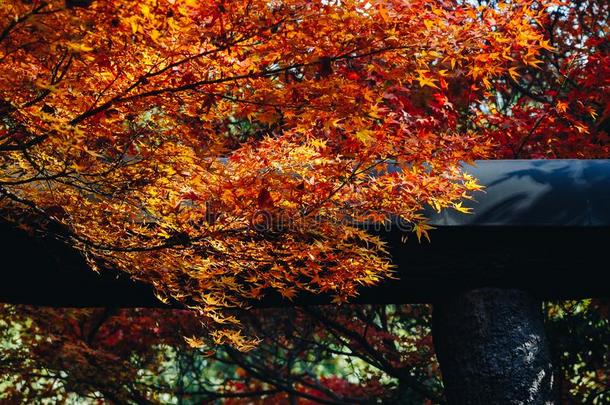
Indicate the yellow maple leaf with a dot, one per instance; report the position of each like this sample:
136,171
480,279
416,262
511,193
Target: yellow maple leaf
426,81
365,136
421,229
513,73
194,342
77,47
465,210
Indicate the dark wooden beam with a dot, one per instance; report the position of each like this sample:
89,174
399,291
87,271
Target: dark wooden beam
540,226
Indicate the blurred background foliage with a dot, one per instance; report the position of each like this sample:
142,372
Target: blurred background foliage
331,355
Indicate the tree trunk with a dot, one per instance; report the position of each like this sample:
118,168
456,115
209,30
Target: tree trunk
492,348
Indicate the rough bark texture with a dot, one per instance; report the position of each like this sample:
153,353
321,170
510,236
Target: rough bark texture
492,348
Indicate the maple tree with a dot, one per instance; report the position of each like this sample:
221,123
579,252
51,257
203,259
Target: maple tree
223,150
112,130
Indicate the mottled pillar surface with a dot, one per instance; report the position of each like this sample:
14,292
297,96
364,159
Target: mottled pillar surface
492,348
